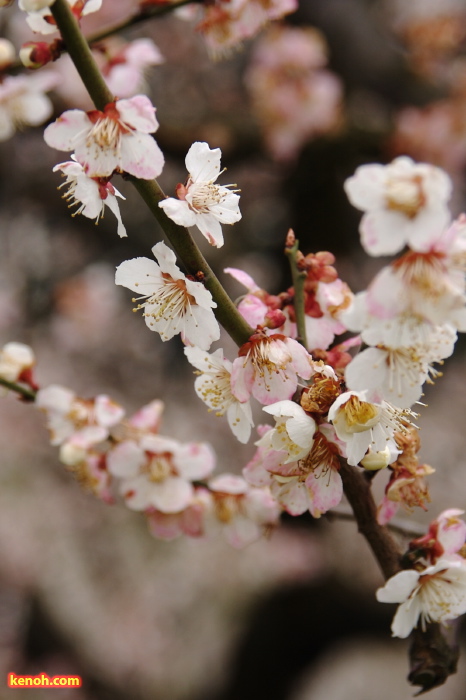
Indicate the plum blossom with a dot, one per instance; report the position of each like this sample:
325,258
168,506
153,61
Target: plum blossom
397,374
295,99
363,425
243,512
293,433
119,138
213,386
311,482
435,594
190,521
171,302
16,362
41,20
446,536
405,203
158,472
123,67
268,368
226,23
23,101
91,195
200,202
67,413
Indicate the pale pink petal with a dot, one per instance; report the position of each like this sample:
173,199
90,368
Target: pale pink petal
172,495
132,273
139,113
140,156
203,163
210,227
65,131
125,459
178,211
243,278
325,489
112,204
194,460
292,495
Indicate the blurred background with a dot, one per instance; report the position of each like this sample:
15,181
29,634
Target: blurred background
84,588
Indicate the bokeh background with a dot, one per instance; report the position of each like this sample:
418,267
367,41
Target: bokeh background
84,588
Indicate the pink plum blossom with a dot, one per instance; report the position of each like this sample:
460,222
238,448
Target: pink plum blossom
200,202
119,138
123,67
294,98
91,195
171,302
244,513
405,203
268,368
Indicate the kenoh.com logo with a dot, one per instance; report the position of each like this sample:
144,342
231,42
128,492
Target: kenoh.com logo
42,680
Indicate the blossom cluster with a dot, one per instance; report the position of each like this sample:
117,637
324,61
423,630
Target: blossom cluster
169,481
295,98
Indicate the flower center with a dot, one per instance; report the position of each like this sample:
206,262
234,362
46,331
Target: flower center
405,195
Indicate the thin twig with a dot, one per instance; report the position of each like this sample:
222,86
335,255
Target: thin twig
25,392
179,237
299,277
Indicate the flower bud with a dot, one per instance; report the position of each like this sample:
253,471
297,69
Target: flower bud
373,461
35,54
7,53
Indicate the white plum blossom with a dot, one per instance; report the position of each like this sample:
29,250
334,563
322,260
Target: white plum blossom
90,194
15,359
68,414
171,302
293,433
23,101
119,138
363,425
213,386
200,202
159,474
397,374
243,512
436,594
405,203
41,20
268,368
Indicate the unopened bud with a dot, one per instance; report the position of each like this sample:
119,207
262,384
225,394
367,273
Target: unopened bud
374,461
7,53
274,319
35,54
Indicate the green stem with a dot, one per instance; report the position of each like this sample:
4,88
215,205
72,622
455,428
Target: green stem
299,277
180,238
28,394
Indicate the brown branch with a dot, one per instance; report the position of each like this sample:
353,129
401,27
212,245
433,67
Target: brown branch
358,492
